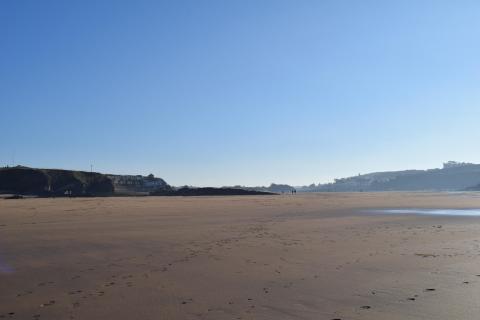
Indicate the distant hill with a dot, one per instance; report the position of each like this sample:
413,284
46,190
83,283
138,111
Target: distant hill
454,176
473,188
53,182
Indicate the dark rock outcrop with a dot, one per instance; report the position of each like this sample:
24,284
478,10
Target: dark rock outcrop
53,182
20,180
186,191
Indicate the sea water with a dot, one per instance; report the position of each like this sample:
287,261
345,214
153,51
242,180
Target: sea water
423,211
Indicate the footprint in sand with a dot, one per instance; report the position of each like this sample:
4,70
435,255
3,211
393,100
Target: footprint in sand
50,303
24,293
75,292
43,284
190,300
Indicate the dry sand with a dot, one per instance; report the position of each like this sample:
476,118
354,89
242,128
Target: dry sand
312,256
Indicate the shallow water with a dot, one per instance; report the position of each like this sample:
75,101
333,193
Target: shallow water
423,211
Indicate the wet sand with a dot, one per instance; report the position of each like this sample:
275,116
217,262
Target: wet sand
308,256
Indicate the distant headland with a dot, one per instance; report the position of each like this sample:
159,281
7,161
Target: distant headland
25,181
21,181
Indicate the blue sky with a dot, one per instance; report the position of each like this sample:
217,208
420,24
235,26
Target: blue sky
239,92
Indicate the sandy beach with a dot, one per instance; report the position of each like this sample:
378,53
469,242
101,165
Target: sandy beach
304,256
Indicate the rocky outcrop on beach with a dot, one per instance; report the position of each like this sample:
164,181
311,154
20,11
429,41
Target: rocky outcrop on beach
53,182
189,191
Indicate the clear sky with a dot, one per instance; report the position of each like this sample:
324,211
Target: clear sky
239,92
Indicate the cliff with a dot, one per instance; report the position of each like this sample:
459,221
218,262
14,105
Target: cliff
53,182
